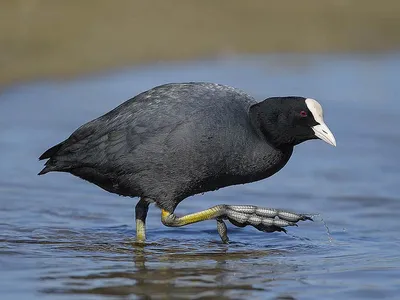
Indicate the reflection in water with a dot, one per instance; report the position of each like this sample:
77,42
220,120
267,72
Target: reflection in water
170,268
60,236
167,267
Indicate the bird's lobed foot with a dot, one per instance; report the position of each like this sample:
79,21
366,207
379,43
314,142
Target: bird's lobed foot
222,231
263,219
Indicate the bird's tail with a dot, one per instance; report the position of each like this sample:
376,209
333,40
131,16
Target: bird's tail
50,154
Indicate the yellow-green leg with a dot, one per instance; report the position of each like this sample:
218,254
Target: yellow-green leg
170,219
141,210
264,219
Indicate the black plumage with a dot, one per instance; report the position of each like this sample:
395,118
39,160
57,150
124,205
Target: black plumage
180,139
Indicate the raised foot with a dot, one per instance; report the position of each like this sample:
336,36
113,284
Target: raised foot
263,219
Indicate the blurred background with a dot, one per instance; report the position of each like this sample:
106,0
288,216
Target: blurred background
63,63
55,38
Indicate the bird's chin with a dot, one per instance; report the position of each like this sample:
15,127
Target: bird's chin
300,140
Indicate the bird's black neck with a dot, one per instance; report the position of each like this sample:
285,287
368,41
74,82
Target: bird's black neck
266,120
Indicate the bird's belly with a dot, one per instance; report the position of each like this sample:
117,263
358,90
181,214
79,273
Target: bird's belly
213,183
249,171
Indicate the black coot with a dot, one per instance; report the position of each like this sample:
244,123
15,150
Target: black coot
181,139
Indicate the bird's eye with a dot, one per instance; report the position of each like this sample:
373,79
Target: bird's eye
303,113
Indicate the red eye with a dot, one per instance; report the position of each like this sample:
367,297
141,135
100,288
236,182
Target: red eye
303,113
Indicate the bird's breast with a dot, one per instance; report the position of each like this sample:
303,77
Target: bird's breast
264,162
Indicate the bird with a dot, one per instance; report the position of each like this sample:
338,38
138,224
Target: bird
180,139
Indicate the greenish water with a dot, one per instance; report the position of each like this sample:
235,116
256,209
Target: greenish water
62,237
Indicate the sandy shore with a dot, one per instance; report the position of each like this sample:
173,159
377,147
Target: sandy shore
56,39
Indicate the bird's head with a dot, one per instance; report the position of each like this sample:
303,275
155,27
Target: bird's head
291,120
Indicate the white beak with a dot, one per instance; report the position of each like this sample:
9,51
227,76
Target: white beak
322,132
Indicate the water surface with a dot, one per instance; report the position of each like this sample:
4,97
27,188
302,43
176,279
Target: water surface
60,236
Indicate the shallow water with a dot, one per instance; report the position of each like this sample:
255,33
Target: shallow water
62,236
